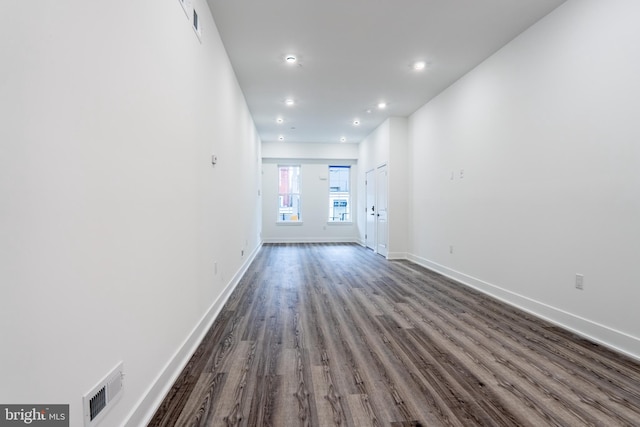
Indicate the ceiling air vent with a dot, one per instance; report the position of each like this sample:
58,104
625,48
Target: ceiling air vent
102,397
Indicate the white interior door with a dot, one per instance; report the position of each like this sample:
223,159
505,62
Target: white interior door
381,214
370,208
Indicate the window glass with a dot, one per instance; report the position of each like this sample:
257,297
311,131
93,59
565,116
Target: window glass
339,193
289,193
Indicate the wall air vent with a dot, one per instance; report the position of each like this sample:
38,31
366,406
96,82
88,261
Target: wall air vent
102,397
97,403
186,6
196,25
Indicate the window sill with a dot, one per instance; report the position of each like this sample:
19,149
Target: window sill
288,222
339,222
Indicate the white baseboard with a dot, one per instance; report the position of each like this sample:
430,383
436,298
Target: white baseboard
397,255
616,340
312,240
152,399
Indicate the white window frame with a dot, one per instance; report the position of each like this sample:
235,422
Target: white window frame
298,194
339,197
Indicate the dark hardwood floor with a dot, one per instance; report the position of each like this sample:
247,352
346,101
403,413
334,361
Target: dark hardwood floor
332,334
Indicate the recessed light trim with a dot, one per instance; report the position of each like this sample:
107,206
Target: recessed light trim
382,105
356,122
419,65
279,120
290,102
281,138
291,59
343,139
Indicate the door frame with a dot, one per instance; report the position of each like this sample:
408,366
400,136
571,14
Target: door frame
370,209
382,215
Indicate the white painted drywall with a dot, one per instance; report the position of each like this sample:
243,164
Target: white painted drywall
309,150
398,188
111,214
546,134
314,160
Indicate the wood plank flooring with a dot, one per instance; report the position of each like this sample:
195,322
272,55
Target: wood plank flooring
334,335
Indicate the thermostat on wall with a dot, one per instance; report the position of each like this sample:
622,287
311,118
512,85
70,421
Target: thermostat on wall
214,159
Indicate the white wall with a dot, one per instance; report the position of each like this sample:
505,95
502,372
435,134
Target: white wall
314,160
111,214
547,135
387,145
308,150
398,188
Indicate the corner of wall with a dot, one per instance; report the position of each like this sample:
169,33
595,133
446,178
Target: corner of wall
148,404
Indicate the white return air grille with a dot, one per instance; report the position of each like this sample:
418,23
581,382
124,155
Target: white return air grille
102,397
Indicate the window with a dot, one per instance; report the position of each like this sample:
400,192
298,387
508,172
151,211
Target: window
289,193
339,194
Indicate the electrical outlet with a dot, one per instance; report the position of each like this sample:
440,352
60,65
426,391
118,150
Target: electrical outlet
579,281
241,252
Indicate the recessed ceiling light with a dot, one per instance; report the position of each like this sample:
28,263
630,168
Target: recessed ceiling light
289,101
356,122
369,111
281,138
343,139
279,120
419,65
290,59
382,105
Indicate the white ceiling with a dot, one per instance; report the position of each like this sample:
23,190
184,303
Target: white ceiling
353,54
